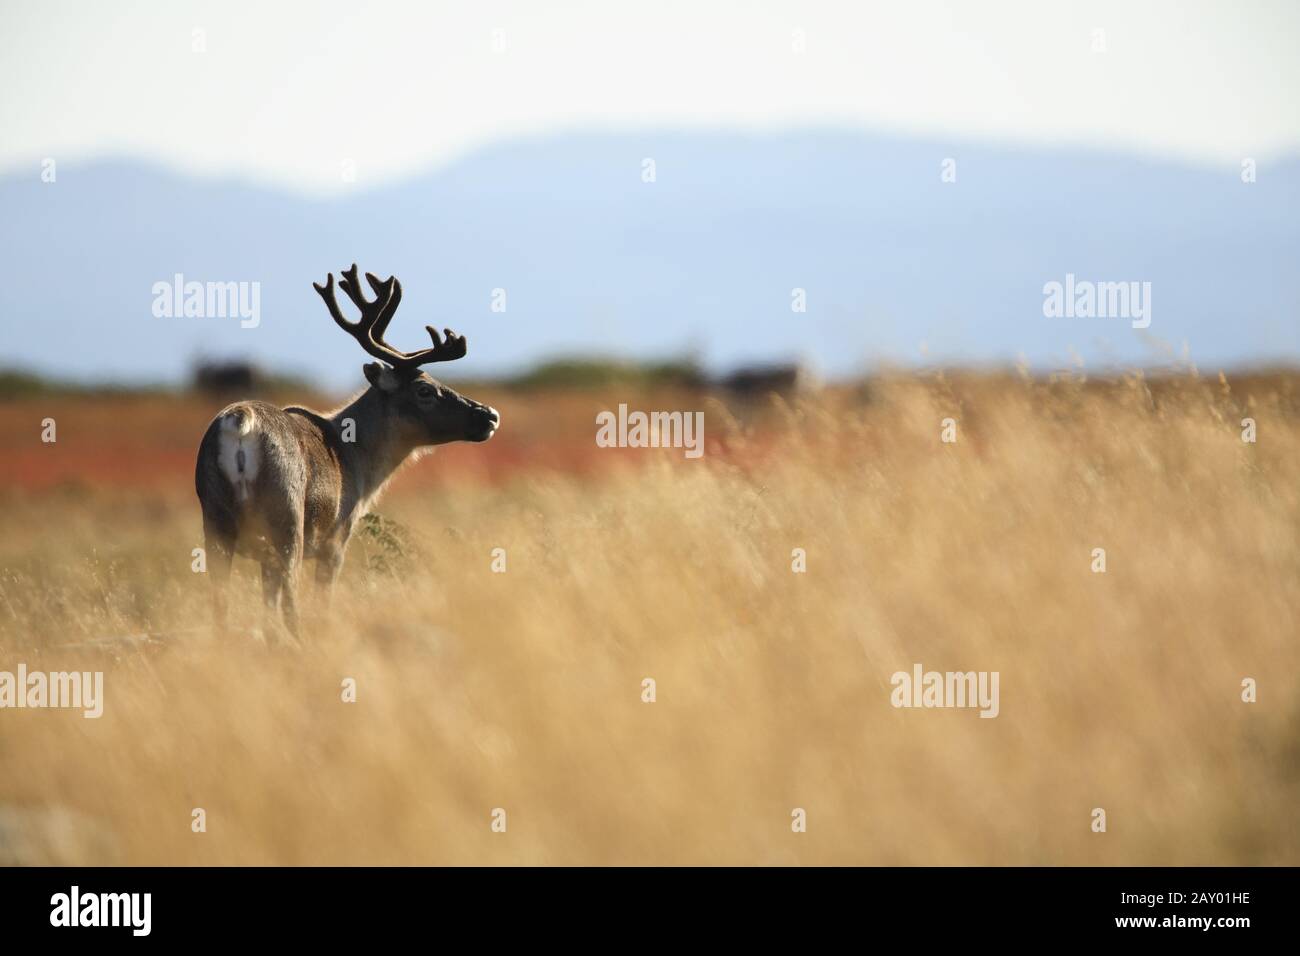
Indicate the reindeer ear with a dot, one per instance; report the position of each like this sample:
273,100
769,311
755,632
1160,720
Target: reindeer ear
381,376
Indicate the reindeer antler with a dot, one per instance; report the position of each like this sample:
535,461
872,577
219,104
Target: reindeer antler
369,330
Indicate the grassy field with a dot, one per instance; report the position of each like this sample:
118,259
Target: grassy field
522,690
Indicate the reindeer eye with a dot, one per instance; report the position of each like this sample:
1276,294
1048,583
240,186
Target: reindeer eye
425,391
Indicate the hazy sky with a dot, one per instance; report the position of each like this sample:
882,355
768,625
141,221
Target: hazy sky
295,93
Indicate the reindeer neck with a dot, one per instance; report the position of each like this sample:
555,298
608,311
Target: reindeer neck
376,450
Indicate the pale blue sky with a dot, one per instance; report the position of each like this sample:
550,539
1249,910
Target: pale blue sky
499,144
288,93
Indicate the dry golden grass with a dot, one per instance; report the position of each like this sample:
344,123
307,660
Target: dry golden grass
522,690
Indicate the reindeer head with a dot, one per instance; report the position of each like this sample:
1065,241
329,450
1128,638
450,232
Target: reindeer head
422,410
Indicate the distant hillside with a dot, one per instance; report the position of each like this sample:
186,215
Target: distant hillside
700,262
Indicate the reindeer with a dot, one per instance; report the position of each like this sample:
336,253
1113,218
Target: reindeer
284,484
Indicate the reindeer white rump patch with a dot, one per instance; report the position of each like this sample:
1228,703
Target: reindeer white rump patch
238,451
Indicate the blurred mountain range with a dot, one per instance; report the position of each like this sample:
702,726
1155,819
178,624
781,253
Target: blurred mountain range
897,265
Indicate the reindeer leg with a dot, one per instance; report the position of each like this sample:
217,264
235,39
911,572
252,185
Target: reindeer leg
328,565
272,584
289,593
219,552
280,568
